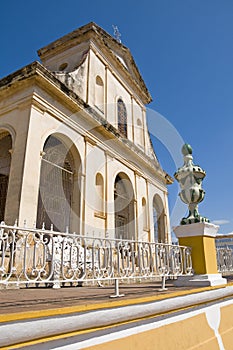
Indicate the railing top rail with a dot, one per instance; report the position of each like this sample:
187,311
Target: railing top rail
220,236
88,237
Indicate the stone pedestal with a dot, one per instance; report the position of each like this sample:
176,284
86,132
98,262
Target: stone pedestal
201,238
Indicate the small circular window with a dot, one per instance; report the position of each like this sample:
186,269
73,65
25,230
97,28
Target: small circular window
63,66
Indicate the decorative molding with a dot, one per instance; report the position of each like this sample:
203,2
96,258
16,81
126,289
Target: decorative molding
89,140
38,106
109,154
204,229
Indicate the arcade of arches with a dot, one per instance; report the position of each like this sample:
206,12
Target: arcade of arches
59,198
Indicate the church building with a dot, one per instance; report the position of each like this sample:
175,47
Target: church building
75,151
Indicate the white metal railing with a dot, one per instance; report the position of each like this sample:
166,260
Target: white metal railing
224,259
38,256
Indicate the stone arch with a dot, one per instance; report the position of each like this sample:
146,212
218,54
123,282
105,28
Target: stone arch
159,219
6,144
59,196
10,130
124,207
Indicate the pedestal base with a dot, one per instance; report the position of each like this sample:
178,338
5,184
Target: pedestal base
200,280
201,238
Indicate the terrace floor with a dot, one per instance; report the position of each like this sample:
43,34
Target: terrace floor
41,298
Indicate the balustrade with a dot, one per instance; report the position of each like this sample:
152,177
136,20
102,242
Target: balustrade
45,257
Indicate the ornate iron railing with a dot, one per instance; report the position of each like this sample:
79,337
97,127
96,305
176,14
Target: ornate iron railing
224,259
41,257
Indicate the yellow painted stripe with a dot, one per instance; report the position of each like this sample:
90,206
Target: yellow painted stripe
91,307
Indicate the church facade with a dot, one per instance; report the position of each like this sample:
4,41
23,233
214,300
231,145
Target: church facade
75,151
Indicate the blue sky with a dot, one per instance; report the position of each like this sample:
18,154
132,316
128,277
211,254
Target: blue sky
184,51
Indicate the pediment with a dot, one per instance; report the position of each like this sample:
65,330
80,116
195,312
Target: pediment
119,56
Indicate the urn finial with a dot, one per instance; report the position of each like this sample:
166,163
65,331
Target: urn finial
190,179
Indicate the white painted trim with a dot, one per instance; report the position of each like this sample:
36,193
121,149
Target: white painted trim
204,229
210,316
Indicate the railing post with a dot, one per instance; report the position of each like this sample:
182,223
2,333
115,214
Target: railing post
163,288
117,290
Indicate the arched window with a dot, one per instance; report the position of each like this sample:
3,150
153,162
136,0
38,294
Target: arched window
5,164
99,93
139,133
124,207
122,117
159,220
57,203
144,214
99,203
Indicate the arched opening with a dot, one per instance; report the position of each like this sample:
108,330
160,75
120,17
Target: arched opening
139,133
144,214
59,191
124,207
63,66
122,117
159,220
99,93
5,164
99,203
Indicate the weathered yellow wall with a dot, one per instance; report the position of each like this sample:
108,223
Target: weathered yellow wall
226,326
193,333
